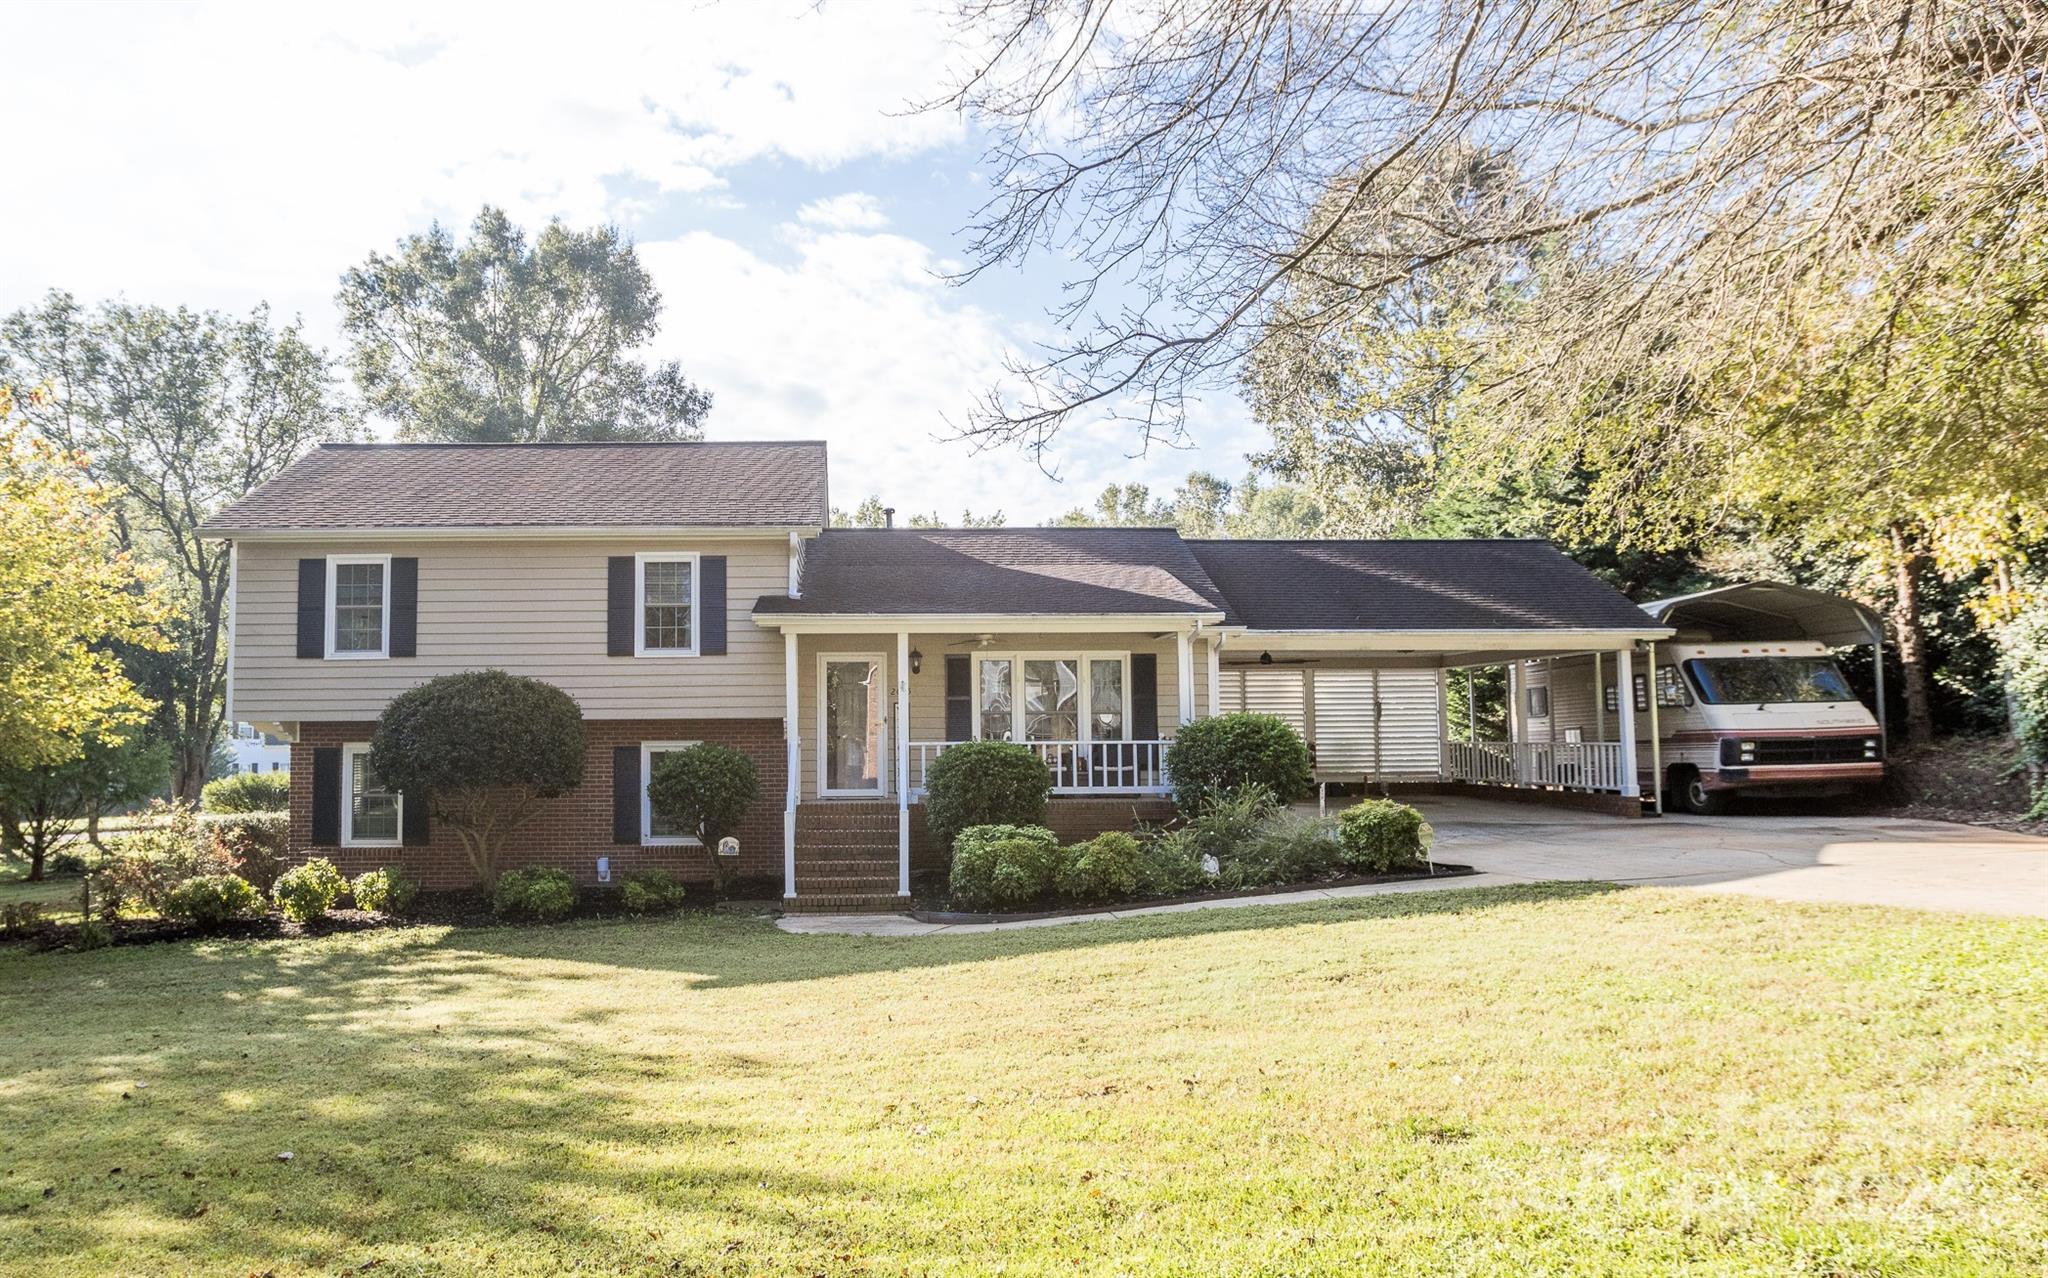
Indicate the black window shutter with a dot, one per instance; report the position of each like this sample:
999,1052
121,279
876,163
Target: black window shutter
414,812
312,607
626,792
326,796
1144,696
405,606
959,697
711,605
618,606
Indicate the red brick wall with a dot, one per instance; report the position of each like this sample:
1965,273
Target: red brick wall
576,828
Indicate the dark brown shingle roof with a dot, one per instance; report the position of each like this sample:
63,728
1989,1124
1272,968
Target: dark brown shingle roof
765,484
999,571
1413,585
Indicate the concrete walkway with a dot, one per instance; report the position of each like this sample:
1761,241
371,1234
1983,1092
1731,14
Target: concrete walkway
1933,865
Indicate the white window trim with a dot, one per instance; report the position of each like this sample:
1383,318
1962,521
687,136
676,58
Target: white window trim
648,839
384,613
349,753
883,772
640,562
1086,708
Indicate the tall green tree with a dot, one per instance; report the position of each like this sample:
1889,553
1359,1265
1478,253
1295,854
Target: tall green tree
176,413
496,339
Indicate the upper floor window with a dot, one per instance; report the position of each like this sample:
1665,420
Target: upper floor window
666,595
358,611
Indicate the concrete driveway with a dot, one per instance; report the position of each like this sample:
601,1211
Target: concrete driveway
1864,860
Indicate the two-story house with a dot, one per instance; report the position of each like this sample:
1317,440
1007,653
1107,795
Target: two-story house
693,592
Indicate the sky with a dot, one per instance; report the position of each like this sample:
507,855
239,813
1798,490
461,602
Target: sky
795,211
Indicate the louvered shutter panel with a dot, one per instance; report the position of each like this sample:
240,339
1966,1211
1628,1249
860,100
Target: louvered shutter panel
626,793
959,697
711,605
313,608
327,796
618,606
405,606
414,811
1144,696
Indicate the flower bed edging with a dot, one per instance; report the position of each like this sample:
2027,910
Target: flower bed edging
1441,870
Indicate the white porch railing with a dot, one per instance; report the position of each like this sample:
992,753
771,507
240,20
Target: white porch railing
1584,765
1077,767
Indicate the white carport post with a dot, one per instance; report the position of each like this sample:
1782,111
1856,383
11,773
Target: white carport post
1443,722
1656,736
1513,671
903,763
795,766
1625,703
1184,667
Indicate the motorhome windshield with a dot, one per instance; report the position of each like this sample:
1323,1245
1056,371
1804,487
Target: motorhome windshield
1768,680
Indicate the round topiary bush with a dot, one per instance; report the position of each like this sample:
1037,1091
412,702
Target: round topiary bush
212,900
387,890
541,895
484,750
997,867
248,792
1103,869
1210,758
984,783
1380,836
706,788
305,892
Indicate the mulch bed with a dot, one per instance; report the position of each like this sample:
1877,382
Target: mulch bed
933,909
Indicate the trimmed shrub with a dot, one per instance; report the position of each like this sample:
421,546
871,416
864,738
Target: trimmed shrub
1170,865
538,894
212,900
1103,869
1379,836
984,783
999,867
248,792
387,890
1210,758
651,892
306,892
66,864
483,750
255,843
705,789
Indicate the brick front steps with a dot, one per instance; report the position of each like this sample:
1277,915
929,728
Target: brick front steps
846,858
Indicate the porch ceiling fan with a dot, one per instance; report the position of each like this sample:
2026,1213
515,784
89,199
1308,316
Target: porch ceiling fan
979,641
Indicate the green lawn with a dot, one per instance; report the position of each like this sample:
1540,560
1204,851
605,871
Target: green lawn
1547,1080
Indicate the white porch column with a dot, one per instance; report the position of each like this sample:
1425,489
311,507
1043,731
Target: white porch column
792,739
1625,703
903,763
1184,668
1599,702
1215,675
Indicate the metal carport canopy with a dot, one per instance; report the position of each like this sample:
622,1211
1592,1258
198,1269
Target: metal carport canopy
1772,610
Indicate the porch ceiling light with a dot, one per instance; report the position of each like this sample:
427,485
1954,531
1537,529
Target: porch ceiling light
1265,658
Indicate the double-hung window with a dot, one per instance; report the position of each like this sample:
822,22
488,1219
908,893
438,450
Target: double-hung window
371,815
654,831
358,605
665,604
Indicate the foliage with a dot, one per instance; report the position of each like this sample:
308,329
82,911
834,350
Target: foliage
537,894
2025,644
705,788
1214,757
484,749
169,848
212,900
1003,866
308,890
66,864
498,340
248,792
1290,848
651,892
71,590
1380,836
20,916
1169,864
389,889
178,413
1105,868
42,805
255,843
984,783
871,513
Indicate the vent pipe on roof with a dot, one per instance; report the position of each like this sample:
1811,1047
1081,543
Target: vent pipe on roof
888,516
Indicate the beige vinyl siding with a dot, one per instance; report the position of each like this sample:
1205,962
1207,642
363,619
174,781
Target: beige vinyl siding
530,606
928,686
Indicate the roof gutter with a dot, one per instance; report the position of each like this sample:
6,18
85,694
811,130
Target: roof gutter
1042,623
528,532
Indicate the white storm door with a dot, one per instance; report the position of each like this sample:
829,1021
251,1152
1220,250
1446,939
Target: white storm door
853,723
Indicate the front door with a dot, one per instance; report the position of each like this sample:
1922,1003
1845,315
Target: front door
853,730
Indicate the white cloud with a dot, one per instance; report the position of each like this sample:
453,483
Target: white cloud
853,211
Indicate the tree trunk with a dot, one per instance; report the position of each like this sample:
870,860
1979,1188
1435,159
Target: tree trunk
1907,561
188,774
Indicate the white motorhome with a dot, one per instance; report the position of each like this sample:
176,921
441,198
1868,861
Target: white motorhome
1748,698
